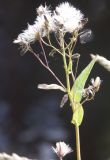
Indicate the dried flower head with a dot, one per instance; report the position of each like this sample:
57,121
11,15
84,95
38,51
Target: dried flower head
43,10
27,37
62,149
41,26
93,88
67,17
96,83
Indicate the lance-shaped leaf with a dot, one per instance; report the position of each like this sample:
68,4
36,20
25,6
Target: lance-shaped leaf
78,115
51,86
78,86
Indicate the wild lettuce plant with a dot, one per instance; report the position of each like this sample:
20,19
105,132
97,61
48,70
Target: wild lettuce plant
65,23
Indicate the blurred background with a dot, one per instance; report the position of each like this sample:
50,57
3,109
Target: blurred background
30,119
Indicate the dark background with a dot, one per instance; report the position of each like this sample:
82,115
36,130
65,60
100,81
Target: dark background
30,119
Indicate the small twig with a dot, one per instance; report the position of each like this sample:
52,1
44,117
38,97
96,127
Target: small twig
70,59
74,42
57,39
87,99
56,78
49,45
76,68
73,77
37,56
45,57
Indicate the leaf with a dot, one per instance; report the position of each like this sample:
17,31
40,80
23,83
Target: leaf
78,115
78,86
64,100
51,86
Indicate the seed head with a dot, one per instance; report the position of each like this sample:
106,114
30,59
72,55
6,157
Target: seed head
62,149
67,17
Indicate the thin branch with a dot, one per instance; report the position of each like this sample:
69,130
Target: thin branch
47,67
45,57
56,78
76,68
57,39
49,45
37,56
87,99
70,59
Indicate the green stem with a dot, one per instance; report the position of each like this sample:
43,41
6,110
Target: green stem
77,143
67,75
78,152
71,100
65,66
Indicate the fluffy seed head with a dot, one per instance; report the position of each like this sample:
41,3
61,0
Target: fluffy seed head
42,10
62,149
67,17
41,26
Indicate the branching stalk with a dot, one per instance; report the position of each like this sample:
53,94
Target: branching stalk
71,101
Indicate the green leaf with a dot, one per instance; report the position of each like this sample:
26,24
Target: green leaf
78,115
78,86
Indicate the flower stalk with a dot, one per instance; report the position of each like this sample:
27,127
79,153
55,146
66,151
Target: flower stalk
71,102
77,142
63,20
69,94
